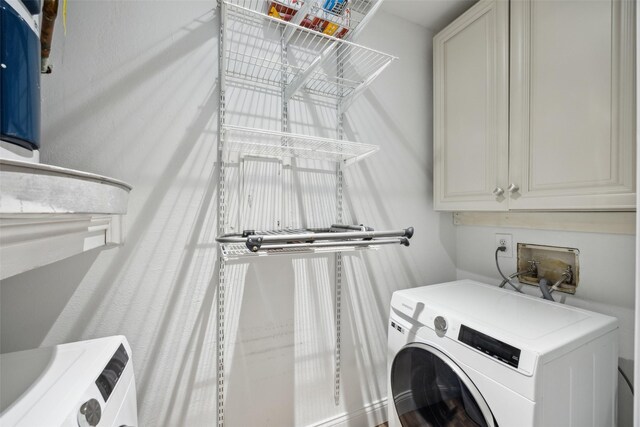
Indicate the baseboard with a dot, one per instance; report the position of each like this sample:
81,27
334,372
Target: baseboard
371,415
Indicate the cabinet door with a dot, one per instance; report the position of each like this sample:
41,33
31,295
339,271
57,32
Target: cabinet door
572,104
471,109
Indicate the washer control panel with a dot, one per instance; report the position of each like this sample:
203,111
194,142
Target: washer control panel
488,345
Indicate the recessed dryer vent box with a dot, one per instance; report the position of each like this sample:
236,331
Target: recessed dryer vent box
551,262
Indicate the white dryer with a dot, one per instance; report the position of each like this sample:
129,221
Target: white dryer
469,354
85,383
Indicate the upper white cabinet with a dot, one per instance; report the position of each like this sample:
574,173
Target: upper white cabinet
572,104
571,144
471,90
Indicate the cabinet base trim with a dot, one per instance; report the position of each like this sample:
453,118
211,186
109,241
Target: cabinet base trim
590,222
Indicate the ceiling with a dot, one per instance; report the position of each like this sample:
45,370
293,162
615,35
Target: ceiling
432,14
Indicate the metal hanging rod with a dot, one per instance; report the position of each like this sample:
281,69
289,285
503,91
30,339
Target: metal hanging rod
236,251
337,244
335,236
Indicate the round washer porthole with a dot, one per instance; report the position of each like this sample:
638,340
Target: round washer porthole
430,390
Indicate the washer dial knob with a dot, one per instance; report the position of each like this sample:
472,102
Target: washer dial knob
90,413
440,323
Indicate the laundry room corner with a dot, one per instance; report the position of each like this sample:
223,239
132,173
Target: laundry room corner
318,213
134,94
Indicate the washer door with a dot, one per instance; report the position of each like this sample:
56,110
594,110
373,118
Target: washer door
429,389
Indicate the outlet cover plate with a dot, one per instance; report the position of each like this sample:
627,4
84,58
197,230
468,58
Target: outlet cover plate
505,240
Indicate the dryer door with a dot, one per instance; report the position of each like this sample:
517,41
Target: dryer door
429,389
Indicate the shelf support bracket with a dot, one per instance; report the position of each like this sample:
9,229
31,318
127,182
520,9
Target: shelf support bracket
293,87
297,83
296,20
353,35
347,101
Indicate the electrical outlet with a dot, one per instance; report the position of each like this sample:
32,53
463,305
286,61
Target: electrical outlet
507,241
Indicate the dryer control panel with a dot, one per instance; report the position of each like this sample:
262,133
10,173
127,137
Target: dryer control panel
495,348
110,375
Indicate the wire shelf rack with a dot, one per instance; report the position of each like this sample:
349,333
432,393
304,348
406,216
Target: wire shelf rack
315,62
347,15
266,143
236,251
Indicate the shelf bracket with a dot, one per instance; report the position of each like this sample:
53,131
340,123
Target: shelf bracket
296,20
347,101
293,87
353,35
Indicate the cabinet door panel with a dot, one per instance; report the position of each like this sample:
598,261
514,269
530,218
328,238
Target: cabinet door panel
572,145
470,109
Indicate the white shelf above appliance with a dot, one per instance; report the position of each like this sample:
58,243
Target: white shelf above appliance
48,213
266,143
253,44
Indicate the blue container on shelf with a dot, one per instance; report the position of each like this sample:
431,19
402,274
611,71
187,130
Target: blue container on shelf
33,6
19,74
335,6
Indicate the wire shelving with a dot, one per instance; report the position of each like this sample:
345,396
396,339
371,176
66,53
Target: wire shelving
302,50
253,53
267,143
236,251
352,15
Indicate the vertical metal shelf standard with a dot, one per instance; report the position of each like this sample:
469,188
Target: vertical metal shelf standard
355,68
338,256
220,301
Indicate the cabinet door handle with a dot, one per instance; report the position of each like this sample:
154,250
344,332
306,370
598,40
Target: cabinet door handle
498,191
513,188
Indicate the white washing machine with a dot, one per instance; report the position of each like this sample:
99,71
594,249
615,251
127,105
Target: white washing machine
469,354
86,383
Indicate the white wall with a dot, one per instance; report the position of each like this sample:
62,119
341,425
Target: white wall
636,398
607,281
134,95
